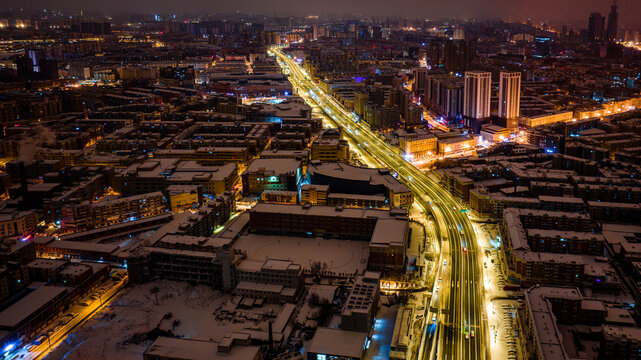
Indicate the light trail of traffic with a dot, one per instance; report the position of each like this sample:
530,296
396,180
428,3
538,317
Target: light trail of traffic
461,322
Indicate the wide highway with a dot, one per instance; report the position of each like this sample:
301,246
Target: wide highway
458,301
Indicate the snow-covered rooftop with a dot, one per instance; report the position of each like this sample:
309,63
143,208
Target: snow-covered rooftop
274,166
176,348
29,305
354,173
341,256
338,342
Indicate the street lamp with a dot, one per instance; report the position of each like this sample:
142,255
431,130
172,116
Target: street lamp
49,338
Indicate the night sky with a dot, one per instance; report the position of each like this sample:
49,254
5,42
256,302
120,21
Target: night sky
556,11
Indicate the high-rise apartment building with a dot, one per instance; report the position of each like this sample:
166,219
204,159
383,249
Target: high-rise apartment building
596,26
418,87
542,46
477,93
459,33
456,55
613,20
445,95
360,100
377,32
509,95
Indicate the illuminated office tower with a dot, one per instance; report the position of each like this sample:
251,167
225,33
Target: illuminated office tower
476,99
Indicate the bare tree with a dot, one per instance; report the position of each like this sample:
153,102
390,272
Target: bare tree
155,290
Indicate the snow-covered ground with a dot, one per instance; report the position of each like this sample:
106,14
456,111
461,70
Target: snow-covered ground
119,331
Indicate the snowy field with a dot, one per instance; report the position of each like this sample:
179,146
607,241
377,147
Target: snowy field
120,331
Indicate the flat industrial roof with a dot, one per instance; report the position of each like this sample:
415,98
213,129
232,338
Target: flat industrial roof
338,342
348,172
562,199
193,240
283,153
324,211
342,256
51,264
83,246
29,305
574,235
389,232
548,336
279,166
161,167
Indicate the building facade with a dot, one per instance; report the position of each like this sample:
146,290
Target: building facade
510,96
477,94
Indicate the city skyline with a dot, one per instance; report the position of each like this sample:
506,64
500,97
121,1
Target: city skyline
571,12
318,187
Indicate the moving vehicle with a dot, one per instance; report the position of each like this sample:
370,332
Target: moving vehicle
40,339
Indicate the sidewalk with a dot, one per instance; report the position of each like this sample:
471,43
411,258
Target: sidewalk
501,312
